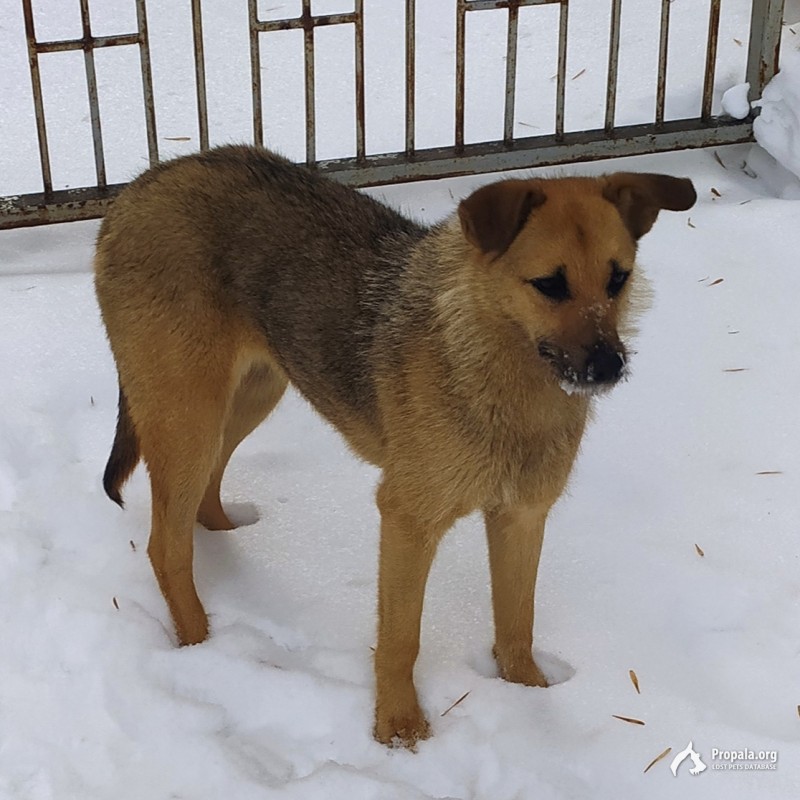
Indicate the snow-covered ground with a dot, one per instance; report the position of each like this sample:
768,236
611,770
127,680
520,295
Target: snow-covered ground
675,554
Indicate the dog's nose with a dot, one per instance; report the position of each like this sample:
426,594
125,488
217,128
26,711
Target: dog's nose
604,365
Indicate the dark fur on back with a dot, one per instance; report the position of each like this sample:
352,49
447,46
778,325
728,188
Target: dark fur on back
310,261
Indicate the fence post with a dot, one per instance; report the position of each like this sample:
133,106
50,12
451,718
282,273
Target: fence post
765,41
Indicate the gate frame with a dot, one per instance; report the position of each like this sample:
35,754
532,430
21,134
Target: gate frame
63,205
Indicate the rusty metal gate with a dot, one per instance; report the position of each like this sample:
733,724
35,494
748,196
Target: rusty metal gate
53,204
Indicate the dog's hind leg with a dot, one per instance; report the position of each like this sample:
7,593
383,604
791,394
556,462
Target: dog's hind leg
258,393
180,416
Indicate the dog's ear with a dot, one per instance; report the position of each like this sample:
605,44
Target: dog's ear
492,216
639,197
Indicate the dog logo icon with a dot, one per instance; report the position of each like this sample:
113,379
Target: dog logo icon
689,752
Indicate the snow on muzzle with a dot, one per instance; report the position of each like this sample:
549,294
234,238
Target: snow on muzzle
589,370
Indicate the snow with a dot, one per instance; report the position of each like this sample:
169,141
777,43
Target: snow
697,449
735,103
777,127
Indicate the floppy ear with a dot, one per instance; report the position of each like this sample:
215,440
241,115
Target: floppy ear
492,216
639,197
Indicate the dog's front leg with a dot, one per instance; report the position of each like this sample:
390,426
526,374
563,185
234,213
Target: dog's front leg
407,547
515,542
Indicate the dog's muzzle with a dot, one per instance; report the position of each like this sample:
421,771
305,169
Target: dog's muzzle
603,366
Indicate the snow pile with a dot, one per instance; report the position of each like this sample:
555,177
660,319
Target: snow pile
777,127
734,101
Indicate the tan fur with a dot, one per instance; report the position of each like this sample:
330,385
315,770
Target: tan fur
448,390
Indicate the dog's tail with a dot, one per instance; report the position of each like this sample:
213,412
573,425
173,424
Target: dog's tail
124,453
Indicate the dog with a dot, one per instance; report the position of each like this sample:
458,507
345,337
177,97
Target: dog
460,358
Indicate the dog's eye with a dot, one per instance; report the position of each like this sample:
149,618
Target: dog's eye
618,279
553,286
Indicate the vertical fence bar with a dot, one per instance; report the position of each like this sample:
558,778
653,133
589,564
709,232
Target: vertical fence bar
147,82
764,46
511,71
663,49
561,87
360,111
311,118
38,102
410,73
461,10
613,65
711,60
255,73
91,88
200,73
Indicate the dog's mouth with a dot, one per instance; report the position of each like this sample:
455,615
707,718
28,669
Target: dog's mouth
603,367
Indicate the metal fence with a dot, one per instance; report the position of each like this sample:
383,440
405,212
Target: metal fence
362,168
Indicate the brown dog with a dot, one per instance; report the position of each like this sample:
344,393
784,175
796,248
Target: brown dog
460,359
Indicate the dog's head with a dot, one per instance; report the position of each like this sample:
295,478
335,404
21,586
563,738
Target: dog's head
559,256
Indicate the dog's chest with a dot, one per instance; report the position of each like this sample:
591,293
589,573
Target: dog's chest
527,458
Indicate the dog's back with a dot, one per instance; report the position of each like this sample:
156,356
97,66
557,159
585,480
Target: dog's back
307,262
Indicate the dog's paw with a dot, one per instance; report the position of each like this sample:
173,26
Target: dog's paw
520,670
402,730
234,515
529,675
214,518
193,629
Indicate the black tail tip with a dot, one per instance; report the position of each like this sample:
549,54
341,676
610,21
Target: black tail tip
112,490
